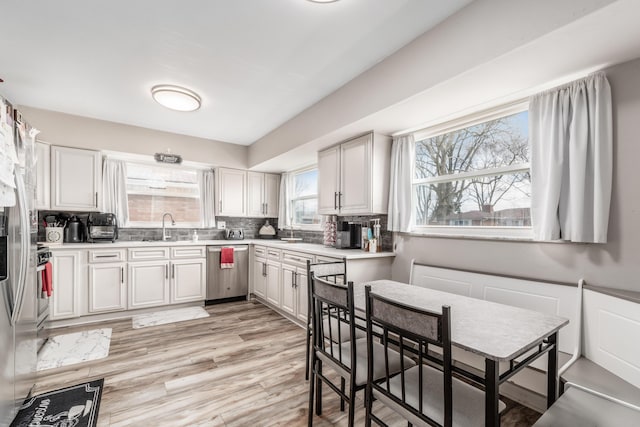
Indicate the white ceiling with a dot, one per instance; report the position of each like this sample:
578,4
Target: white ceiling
256,63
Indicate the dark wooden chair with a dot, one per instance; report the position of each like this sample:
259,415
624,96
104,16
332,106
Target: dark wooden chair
422,394
347,358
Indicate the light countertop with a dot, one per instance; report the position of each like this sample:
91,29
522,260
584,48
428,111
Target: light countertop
310,248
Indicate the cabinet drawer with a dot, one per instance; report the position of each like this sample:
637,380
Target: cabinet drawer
148,254
188,252
296,258
274,253
260,251
107,255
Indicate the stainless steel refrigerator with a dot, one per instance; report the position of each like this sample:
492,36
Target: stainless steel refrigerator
18,283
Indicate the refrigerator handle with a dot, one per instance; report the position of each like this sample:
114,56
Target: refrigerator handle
24,247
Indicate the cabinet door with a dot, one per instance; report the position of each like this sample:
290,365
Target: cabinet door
148,284
288,289
232,188
302,296
43,176
107,287
75,179
259,278
66,272
328,180
255,194
271,194
273,283
355,176
188,280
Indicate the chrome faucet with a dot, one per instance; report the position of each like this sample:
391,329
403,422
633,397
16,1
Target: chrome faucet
165,236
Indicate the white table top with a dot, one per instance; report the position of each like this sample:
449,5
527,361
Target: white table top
495,331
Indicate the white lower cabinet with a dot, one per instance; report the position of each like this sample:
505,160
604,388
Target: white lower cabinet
260,277
148,284
273,282
288,289
65,300
107,287
188,280
302,295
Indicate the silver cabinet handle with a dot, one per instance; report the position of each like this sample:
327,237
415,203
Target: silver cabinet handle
121,274
96,199
335,200
264,269
295,279
173,271
166,271
106,256
339,200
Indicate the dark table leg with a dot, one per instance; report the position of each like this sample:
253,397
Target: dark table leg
552,371
492,386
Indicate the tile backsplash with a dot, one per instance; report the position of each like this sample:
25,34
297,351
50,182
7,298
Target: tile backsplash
251,226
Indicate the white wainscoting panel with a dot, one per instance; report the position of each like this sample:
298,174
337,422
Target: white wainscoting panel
611,334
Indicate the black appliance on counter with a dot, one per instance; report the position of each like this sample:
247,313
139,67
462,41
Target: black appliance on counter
102,227
349,235
74,231
234,234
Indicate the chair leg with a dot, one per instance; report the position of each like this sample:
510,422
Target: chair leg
352,401
306,372
367,406
342,387
318,387
311,390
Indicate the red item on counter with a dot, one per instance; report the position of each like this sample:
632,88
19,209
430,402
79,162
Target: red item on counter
226,258
47,279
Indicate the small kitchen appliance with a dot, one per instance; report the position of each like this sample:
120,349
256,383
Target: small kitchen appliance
102,227
234,234
74,230
349,235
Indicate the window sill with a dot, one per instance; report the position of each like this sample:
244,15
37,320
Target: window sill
517,234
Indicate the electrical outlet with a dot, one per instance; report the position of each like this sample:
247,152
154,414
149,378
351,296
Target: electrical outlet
222,225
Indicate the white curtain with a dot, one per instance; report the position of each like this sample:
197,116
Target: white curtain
403,153
570,129
207,198
284,202
114,190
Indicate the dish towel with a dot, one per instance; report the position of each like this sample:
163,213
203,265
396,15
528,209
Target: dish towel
226,258
47,280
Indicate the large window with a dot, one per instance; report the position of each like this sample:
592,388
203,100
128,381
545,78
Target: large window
304,198
153,190
474,175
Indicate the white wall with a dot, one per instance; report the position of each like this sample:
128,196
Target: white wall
615,264
82,132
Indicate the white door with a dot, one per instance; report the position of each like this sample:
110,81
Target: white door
259,278
328,180
66,270
107,287
355,176
288,288
273,283
232,187
75,178
255,194
188,280
43,176
302,296
148,284
271,194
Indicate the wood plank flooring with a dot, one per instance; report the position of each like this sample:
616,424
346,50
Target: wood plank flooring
243,366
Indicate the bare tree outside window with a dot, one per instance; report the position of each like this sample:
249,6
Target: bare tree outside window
476,175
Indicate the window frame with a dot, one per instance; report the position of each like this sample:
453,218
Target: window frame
150,161
491,232
297,226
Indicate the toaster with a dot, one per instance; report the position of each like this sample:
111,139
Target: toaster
102,227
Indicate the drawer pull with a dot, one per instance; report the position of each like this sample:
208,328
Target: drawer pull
106,256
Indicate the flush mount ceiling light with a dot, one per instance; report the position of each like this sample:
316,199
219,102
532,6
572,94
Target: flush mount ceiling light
176,97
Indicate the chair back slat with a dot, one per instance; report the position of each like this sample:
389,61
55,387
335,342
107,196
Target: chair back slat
398,317
330,293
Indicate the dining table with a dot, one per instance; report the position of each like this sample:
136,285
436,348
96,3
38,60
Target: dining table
497,332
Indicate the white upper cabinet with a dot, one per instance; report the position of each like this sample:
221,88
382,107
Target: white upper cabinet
231,186
353,177
75,179
262,194
43,176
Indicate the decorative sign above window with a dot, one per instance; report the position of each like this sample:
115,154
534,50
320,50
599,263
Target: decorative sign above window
168,158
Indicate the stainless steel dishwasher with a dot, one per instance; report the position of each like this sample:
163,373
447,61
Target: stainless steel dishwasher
225,284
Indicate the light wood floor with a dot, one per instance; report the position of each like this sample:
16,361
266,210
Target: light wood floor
243,366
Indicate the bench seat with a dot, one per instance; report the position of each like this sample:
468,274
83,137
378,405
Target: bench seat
578,408
589,374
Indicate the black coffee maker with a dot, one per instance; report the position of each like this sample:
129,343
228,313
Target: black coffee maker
74,231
